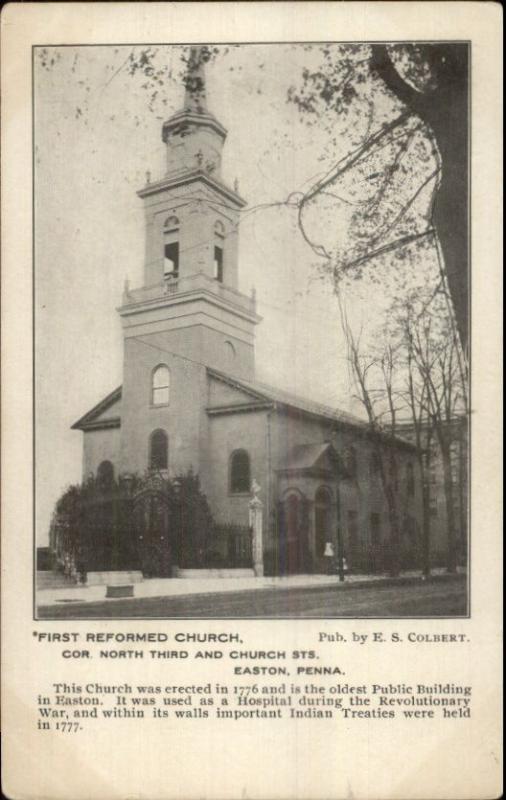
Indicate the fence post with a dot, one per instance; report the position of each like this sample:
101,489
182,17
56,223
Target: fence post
255,522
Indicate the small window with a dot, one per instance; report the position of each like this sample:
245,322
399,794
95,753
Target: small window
171,247
240,478
160,389
218,263
158,450
219,236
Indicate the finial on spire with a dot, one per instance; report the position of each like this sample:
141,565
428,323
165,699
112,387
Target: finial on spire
195,81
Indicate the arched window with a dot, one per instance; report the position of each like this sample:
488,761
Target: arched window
105,473
158,450
219,240
293,515
160,386
410,479
322,520
171,247
240,473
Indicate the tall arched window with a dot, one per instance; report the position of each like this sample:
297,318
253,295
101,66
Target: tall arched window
105,473
322,520
219,241
160,386
171,247
240,472
158,450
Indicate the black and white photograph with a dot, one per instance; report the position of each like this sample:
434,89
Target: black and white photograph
251,330
251,392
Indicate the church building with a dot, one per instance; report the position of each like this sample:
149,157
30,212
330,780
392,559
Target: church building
190,399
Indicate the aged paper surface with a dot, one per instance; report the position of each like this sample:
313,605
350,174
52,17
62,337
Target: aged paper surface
273,576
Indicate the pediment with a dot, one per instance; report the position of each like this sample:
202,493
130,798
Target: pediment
105,414
225,393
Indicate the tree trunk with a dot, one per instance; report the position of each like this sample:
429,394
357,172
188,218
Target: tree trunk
393,515
450,514
444,110
425,527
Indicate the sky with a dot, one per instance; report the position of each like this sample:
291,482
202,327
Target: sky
97,132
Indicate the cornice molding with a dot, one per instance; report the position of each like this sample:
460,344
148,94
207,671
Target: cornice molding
190,177
99,424
239,408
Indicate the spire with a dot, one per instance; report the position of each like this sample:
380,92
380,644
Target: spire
195,82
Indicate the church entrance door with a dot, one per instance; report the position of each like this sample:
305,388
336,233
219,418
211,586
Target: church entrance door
294,554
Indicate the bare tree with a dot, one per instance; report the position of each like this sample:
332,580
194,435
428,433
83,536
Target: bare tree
405,180
369,370
436,392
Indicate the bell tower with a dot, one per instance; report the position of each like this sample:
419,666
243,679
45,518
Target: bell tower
188,314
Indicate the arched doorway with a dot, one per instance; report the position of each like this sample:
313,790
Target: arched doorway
323,527
294,553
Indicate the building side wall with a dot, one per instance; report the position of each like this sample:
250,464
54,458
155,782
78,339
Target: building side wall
361,494
244,431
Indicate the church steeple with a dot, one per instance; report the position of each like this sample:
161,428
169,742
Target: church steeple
193,135
192,215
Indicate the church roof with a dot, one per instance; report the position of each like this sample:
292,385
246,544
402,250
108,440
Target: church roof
308,455
265,392
260,393
314,458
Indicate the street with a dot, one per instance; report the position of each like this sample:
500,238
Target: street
438,597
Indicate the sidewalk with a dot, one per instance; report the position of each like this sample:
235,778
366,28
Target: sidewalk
166,587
